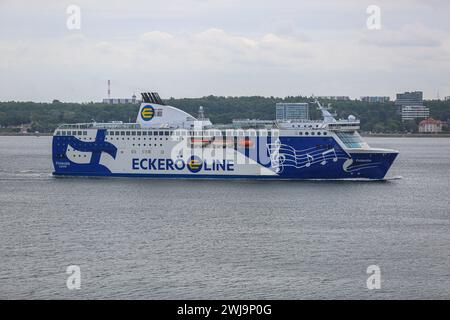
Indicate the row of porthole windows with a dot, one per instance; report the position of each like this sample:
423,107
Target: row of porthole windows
116,133
305,126
86,138
71,133
219,134
163,133
112,139
143,151
160,133
312,133
138,133
132,151
144,145
79,156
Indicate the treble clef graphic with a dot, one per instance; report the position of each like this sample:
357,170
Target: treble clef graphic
275,157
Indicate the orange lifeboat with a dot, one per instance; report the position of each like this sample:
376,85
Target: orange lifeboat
200,140
247,143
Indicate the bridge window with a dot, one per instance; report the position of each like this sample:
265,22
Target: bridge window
155,133
138,133
133,133
79,133
350,139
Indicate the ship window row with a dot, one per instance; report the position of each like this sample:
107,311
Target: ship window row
351,139
181,133
71,133
144,145
138,133
305,126
112,139
222,133
312,133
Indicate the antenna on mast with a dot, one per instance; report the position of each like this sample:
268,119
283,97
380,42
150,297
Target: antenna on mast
327,116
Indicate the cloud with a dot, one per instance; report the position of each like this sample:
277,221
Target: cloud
229,47
408,36
156,37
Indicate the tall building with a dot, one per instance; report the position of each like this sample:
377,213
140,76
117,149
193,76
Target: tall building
413,101
414,112
375,99
292,111
414,98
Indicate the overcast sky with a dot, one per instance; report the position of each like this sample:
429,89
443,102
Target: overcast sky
193,48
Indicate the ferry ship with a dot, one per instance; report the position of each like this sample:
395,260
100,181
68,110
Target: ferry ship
166,142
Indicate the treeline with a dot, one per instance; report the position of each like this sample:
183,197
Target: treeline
45,117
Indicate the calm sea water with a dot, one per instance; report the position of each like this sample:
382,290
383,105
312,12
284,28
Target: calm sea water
158,239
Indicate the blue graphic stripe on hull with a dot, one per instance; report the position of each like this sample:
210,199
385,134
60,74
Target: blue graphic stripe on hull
194,176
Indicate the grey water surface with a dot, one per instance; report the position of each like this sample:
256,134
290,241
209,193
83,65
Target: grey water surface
184,239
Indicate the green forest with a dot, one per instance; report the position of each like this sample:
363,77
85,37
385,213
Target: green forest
45,117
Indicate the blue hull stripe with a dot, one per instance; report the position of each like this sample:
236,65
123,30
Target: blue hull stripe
191,176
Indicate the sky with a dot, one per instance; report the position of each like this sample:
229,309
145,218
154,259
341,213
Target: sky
194,48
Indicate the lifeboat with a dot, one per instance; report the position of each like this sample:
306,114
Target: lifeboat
247,143
201,141
222,142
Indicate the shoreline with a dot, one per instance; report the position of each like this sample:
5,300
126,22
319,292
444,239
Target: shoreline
406,135
15,134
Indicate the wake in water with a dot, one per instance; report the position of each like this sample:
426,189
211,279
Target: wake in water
25,175
393,178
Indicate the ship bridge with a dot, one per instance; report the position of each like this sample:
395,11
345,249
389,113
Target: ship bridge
344,125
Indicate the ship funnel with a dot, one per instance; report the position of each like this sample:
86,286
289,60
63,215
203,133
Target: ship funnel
152,97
